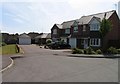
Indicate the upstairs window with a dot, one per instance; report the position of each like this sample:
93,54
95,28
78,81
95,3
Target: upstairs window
75,29
94,27
67,31
55,31
84,28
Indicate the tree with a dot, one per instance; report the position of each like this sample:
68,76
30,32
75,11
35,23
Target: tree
105,27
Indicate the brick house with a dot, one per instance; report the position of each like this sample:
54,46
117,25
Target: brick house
84,32
41,39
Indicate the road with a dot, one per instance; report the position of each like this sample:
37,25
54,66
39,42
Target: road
45,65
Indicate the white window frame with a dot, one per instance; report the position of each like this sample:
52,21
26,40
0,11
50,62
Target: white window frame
54,31
94,27
75,29
67,31
93,42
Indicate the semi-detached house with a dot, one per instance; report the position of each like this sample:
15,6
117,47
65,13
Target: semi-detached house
84,32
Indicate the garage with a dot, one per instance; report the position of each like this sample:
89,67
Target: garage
24,39
72,42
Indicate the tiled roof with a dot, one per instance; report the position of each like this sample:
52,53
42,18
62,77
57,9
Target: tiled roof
86,19
49,35
38,36
24,36
44,35
59,26
67,24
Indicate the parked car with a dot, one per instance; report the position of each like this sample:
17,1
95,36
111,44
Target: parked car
59,45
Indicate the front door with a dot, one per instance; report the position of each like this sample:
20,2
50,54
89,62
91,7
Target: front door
72,42
85,43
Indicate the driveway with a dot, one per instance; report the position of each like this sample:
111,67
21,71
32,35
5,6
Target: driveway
45,65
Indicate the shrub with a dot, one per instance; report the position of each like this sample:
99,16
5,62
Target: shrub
3,44
77,51
89,50
93,52
98,51
118,50
48,41
112,50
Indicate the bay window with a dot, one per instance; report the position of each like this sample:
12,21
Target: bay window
95,42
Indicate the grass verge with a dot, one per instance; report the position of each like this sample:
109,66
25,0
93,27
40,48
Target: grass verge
8,49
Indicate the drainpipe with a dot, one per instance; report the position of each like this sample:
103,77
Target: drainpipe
89,41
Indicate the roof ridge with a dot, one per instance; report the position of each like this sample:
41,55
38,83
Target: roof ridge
69,21
99,13
58,24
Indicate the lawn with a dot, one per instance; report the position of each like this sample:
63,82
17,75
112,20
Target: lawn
8,49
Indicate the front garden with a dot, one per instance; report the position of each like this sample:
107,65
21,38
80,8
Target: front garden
89,50
8,49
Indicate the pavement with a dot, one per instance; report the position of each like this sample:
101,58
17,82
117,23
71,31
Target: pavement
45,65
94,56
5,61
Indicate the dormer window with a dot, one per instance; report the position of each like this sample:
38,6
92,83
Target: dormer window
55,31
75,29
94,27
95,24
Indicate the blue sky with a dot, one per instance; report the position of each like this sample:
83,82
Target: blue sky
19,16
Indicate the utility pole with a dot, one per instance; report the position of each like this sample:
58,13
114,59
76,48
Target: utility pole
119,9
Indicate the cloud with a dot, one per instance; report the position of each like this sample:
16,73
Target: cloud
38,15
1,26
33,0
18,20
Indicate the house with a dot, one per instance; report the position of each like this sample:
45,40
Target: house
24,39
84,32
33,35
41,39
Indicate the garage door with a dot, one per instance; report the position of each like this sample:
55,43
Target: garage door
24,41
72,42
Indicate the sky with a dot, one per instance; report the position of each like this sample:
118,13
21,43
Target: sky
24,16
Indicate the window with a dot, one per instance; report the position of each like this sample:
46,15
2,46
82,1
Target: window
95,42
55,31
75,29
84,28
67,31
94,27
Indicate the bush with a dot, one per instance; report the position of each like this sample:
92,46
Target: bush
89,50
98,51
3,44
118,50
77,51
48,41
112,50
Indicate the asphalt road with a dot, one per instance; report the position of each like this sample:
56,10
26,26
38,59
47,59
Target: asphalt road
44,65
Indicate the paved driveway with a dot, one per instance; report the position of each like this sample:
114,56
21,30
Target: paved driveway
44,65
